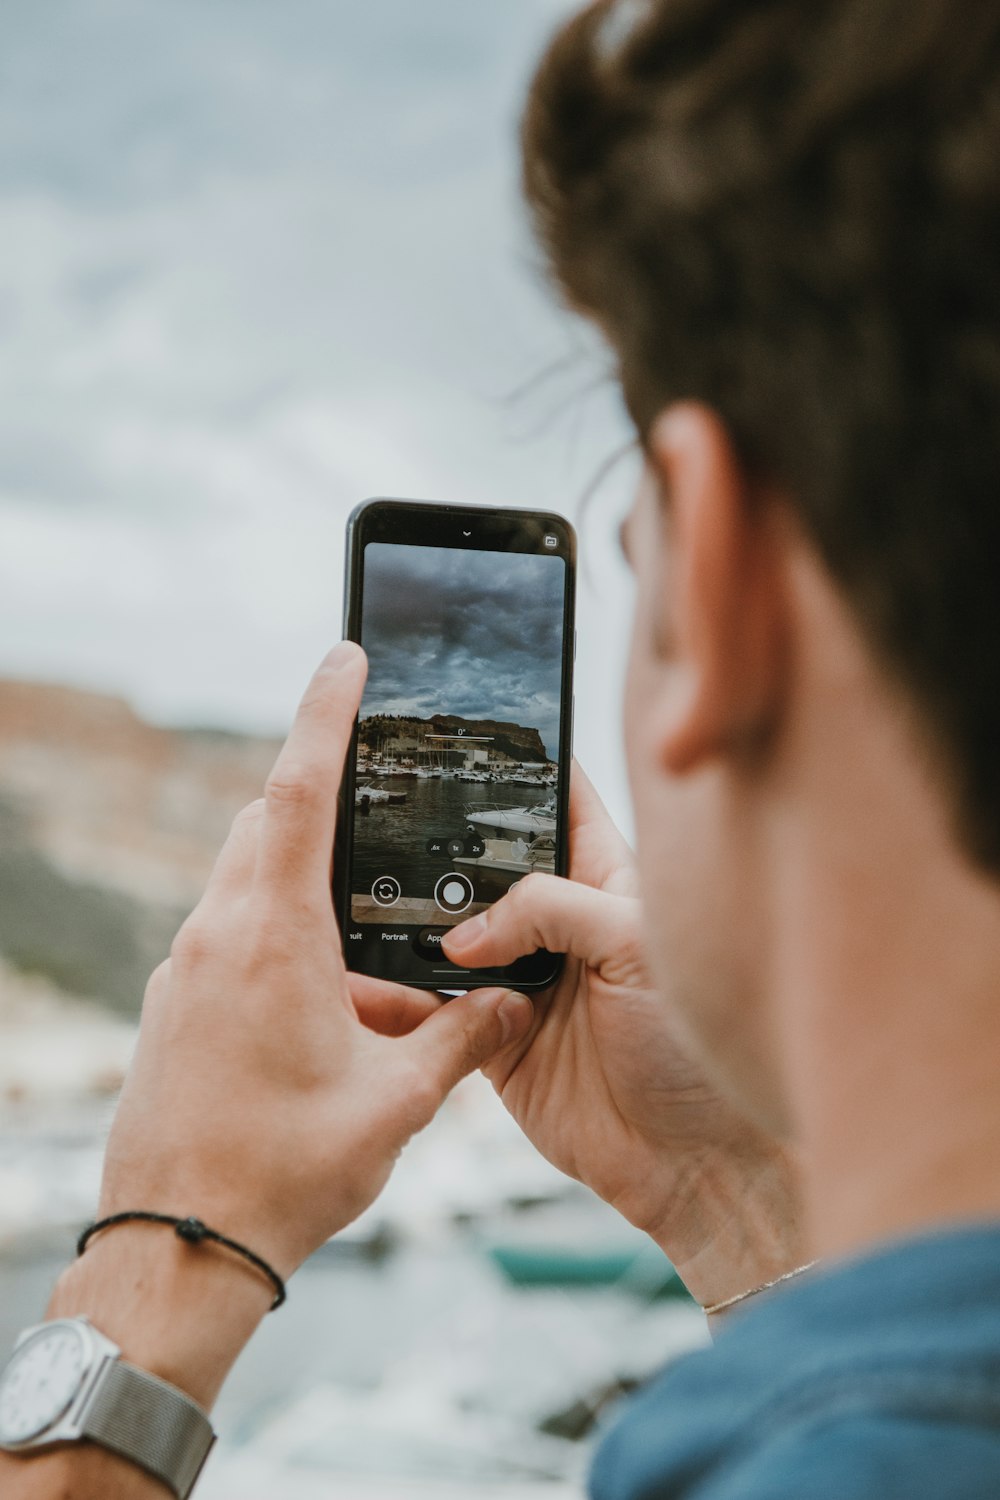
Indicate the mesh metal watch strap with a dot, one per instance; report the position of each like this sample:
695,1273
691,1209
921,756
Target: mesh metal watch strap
152,1423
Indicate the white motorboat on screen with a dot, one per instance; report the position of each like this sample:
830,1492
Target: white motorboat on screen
507,820
515,856
368,792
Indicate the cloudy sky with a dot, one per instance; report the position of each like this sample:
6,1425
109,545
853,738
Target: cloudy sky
261,261
477,634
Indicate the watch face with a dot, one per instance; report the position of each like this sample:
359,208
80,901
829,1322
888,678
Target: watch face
39,1384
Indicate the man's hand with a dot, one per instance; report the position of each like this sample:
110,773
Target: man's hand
603,1088
257,1100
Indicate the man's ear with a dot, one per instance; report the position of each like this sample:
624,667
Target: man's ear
720,600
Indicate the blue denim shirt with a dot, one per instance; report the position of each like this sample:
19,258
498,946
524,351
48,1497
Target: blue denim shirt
876,1380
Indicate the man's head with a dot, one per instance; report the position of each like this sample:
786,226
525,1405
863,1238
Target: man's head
785,215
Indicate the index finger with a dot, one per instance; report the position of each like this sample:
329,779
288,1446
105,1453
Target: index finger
296,841
585,803
600,855
391,1009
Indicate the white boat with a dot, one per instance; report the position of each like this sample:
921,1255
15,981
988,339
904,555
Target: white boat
515,856
368,792
365,791
540,819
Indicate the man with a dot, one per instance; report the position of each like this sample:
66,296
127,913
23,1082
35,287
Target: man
777,1039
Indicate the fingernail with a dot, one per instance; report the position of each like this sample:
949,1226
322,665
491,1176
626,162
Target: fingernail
515,1012
466,934
342,653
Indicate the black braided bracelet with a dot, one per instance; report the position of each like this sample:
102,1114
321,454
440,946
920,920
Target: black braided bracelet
194,1232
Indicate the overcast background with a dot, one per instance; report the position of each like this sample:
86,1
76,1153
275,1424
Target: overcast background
257,262
477,634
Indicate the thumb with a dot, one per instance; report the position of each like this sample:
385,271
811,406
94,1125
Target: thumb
545,911
464,1034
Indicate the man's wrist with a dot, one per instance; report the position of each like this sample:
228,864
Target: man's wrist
739,1226
182,1312
179,1311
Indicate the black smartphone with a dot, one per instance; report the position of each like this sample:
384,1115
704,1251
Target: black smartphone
457,781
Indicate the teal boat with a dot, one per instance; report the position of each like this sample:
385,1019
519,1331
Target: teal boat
562,1246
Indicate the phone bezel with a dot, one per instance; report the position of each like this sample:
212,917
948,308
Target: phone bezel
426,523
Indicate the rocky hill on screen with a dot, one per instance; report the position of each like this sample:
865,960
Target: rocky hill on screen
511,740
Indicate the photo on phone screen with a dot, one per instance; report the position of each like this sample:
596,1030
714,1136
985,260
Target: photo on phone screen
458,778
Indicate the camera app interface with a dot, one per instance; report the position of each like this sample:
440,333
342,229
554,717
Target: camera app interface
458,740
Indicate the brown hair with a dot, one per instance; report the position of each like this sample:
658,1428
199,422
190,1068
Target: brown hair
790,210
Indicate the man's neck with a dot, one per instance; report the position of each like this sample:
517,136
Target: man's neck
888,1002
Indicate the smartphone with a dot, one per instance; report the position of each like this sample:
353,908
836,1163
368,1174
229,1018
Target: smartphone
457,781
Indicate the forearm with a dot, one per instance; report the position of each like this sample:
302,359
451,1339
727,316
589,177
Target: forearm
183,1313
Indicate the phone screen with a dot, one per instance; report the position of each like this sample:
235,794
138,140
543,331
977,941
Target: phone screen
459,776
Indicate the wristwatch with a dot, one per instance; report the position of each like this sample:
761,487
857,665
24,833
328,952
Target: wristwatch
67,1383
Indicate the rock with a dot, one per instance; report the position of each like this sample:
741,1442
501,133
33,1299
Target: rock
108,831
511,740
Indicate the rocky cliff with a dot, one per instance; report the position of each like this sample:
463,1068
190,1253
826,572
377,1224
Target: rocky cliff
108,829
513,740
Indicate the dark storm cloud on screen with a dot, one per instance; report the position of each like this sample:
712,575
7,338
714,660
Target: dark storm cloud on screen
477,634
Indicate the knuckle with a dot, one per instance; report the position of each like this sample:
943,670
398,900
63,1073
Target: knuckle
515,897
251,814
193,944
157,984
419,1097
525,895
532,886
291,786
